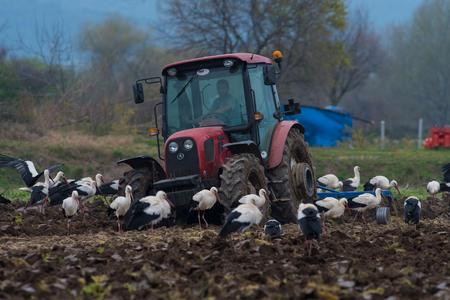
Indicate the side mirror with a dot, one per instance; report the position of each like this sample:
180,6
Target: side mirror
270,75
138,92
292,108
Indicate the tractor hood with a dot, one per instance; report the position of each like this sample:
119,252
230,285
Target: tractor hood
197,151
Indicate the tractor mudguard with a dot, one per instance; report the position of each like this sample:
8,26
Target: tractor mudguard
244,147
279,136
144,162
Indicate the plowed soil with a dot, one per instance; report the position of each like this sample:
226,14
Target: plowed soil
355,260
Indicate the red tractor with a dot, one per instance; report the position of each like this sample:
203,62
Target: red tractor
222,125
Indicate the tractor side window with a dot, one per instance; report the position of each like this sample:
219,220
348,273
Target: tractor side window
265,103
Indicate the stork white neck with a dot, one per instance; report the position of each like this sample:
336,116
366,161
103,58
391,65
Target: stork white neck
356,171
378,194
46,179
99,180
343,202
58,176
128,193
262,194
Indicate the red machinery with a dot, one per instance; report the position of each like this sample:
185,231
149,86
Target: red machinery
438,138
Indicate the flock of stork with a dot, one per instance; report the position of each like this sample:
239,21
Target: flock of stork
151,210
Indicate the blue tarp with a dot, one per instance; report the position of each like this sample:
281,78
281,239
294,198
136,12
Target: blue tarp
324,127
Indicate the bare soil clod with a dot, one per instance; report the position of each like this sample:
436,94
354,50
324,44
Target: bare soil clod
38,259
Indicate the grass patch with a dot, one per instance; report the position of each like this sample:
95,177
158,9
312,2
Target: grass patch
85,155
408,167
80,154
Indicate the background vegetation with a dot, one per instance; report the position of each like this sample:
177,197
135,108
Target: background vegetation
332,56
71,102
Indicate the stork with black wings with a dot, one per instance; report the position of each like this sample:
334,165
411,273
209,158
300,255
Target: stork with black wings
26,168
85,189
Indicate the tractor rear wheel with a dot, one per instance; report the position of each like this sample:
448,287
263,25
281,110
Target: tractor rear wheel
140,180
242,174
292,180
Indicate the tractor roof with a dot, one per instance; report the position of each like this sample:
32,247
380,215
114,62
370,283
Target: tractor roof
247,57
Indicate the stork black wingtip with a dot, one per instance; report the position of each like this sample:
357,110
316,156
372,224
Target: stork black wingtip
3,200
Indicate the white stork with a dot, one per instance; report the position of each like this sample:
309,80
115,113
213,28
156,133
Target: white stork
148,210
40,192
331,207
381,182
245,215
106,189
121,205
206,200
330,181
433,187
85,188
57,180
70,207
365,202
257,200
309,222
352,184
26,168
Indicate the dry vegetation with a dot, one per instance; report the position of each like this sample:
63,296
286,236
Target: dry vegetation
81,154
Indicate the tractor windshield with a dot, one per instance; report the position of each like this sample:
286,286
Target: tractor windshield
205,97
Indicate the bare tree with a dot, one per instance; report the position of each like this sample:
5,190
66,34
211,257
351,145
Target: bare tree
3,51
361,57
304,28
54,49
419,77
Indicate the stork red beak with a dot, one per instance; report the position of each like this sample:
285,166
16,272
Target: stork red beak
217,196
398,190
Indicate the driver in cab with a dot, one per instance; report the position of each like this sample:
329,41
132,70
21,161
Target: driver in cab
224,103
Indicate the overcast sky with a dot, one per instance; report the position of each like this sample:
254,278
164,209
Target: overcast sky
22,15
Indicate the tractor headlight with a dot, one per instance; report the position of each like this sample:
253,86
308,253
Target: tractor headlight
188,144
173,147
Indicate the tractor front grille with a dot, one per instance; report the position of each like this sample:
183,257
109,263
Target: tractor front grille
209,149
183,162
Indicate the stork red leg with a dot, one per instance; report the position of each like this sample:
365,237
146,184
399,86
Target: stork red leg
68,226
324,228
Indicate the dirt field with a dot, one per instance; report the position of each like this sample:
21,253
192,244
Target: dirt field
38,260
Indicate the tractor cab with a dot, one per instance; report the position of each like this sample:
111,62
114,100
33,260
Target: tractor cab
222,126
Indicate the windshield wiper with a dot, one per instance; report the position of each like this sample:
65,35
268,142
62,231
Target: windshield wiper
185,86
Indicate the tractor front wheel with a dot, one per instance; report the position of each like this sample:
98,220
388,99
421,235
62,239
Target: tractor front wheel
242,174
140,181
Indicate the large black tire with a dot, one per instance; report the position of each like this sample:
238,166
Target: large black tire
140,180
242,174
292,181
